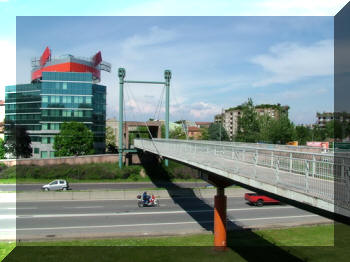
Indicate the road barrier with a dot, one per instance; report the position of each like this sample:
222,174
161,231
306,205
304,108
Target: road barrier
123,194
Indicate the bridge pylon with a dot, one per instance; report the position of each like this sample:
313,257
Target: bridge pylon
220,219
220,208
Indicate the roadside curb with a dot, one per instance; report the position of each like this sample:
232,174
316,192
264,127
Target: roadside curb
124,194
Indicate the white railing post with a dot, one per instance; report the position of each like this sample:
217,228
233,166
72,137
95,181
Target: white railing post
272,159
255,162
307,175
277,170
290,162
342,172
313,166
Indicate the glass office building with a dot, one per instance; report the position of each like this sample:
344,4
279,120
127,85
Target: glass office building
57,97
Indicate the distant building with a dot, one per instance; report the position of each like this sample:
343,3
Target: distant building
203,124
153,127
194,132
323,118
229,118
2,119
61,90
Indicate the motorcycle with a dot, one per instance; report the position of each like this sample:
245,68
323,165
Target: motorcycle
153,202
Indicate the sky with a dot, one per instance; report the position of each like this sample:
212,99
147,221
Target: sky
240,49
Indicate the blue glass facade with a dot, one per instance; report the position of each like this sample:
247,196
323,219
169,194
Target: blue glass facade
59,97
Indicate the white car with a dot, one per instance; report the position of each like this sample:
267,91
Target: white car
58,184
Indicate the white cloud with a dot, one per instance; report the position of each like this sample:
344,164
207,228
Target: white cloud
288,62
8,64
203,111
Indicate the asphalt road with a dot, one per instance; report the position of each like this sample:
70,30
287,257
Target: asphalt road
100,186
84,219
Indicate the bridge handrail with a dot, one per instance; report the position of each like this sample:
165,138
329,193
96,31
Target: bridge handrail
314,174
238,146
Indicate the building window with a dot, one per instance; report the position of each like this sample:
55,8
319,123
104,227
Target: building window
43,154
45,99
67,99
45,127
64,87
36,150
52,154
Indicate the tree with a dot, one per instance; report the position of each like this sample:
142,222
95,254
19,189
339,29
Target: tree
204,134
177,133
265,122
110,140
18,142
303,134
248,124
318,134
74,139
282,130
217,132
2,149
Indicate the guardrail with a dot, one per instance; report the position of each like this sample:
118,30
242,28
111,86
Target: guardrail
315,174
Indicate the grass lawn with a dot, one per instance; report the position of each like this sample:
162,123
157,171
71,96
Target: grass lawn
312,243
6,248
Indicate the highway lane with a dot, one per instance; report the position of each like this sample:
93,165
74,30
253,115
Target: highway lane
75,219
103,186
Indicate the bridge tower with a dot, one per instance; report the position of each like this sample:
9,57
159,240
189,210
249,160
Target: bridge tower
166,83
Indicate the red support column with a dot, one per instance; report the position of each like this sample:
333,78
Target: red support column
220,201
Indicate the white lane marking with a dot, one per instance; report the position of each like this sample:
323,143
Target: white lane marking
145,213
7,217
84,207
77,200
162,224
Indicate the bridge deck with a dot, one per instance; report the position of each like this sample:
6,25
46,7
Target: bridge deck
301,174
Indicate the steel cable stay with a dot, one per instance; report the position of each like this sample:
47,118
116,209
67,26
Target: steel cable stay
159,106
129,92
122,82
133,115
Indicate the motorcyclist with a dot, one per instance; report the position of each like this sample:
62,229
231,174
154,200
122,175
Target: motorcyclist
145,197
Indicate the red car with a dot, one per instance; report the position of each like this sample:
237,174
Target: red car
259,200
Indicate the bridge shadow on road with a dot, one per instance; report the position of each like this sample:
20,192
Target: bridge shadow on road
246,243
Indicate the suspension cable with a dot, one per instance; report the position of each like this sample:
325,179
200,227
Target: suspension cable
159,106
132,96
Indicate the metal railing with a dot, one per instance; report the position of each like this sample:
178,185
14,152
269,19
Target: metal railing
315,174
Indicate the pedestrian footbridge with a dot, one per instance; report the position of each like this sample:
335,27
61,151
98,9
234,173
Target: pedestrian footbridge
307,175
